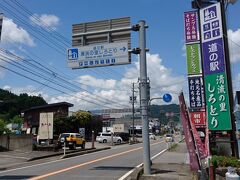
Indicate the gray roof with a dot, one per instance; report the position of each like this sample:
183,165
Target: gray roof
49,105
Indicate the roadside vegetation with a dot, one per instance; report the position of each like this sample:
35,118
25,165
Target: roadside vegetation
224,161
173,147
11,105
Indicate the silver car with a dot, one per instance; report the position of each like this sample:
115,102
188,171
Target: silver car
104,137
169,138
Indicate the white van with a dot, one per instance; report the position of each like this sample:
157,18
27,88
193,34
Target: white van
104,137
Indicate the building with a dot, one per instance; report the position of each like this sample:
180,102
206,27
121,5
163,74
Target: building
237,117
32,115
119,116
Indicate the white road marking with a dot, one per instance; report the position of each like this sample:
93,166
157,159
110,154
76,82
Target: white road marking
59,160
131,171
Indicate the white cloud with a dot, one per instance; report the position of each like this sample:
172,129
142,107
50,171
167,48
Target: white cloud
234,45
87,79
102,90
7,88
12,33
45,20
236,82
162,81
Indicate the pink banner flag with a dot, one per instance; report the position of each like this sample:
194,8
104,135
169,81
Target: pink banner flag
207,140
200,146
194,163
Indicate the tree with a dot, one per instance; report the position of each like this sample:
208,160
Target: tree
12,105
2,126
64,125
83,117
17,120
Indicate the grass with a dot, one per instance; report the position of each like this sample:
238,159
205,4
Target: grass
173,147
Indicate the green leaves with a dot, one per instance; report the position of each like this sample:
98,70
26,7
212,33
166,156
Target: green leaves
2,126
83,117
12,105
224,161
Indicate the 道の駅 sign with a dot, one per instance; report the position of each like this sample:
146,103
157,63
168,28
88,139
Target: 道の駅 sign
215,78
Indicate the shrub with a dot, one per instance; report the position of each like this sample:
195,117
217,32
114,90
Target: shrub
224,161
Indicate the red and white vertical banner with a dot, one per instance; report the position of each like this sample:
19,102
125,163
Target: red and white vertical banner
199,144
198,118
207,140
194,162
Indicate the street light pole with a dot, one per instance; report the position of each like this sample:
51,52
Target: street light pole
133,110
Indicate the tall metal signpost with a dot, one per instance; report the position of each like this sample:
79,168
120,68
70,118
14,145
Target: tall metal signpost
105,43
144,98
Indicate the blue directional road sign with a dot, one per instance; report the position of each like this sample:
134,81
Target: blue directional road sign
98,55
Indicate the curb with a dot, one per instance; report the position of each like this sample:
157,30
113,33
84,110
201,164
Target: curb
138,171
84,152
69,154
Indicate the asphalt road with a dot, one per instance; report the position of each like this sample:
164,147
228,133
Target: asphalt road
109,164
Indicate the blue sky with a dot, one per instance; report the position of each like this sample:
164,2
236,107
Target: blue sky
100,87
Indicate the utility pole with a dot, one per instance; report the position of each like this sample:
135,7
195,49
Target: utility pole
144,98
234,145
133,111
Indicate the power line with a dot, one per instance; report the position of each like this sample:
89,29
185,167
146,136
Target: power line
53,75
51,31
51,86
37,38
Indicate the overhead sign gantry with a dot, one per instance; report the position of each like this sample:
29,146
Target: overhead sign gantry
100,43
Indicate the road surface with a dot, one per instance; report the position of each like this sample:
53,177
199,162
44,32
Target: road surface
103,165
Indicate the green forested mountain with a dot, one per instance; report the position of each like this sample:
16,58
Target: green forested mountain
159,111
12,104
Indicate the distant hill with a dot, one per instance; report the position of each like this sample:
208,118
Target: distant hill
12,104
159,111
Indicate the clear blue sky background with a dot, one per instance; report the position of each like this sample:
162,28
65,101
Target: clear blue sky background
165,37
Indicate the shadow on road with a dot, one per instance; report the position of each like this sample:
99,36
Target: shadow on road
16,177
112,168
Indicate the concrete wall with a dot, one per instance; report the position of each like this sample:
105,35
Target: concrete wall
16,142
4,142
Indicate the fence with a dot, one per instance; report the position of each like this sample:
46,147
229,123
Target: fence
21,142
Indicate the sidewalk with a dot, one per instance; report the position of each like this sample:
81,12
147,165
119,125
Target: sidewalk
171,165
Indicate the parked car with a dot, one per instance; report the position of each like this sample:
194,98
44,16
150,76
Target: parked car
169,138
104,137
152,136
125,136
72,140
